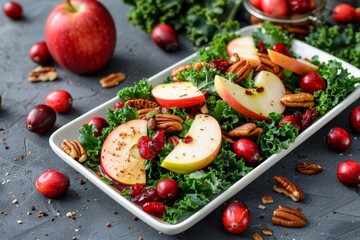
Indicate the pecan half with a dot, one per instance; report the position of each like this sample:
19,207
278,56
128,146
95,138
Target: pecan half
112,80
246,130
288,217
173,140
147,113
168,122
268,65
288,188
42,74
298,100
242,68
141,103
308,168
74,149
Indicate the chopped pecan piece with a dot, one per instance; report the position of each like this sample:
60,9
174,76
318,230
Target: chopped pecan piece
74,149
288,188
242,68
308,168
173,140
302,99
168,122
288,217
267,199
43,74
246,130
266,231
112,80
141,103
257,236
268,65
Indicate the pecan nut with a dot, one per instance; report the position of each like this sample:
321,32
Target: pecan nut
42,74
168,122
141,103
246,130
74,149
302,99
268,65
242,68
308,168
147,113
288,188
173,140
112,80
288,217
197,67
257,236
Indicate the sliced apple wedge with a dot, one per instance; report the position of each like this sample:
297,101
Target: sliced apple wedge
245,48
298,66
120,159
178,94
199,147
254,103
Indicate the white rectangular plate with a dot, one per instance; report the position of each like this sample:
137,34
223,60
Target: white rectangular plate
70,131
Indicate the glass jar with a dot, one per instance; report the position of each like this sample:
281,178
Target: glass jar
300,25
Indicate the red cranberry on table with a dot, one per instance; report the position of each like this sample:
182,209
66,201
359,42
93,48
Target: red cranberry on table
247,149
311,82
39,53
236,217
52,183
13,10
165,37
60,100
338,139
40,118
354,119
348,173
344,13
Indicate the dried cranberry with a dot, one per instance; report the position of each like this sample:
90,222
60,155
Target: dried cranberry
155,208
305,118
261,47
118,105
144,148
158,141
220,64
282,48
142,195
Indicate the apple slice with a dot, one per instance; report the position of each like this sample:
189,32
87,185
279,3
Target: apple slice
199,148
120,158
245,48
254,103
298,66
178,94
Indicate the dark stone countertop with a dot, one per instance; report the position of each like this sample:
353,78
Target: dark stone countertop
332,209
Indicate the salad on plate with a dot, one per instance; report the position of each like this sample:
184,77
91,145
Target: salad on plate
174,147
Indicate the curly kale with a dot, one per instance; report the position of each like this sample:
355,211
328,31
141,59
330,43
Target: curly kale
344,44
201,20
270,34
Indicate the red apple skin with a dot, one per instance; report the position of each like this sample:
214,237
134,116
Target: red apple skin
82,41
52,183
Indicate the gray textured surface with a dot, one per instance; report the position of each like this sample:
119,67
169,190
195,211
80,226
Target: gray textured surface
332,209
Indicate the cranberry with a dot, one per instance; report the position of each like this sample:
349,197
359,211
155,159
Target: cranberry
282,48
305,118
140,194
261,47
236,217
293,120
354,119
165,37
13,10
118,105
311,82
158,141
344,13
52,183
338,139
39,53
40,118
220,64
167,189
144,148
59,100
155,208
348,173
247,149
100,123
299,6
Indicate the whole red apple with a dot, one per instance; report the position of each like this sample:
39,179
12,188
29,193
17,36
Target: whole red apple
81,35
52,183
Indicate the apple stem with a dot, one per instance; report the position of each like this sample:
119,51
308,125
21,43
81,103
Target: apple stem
71,7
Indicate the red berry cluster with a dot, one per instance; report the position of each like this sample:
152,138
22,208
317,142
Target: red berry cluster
149,147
